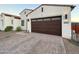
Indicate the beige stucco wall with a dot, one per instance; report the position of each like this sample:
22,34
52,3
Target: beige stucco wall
17,23
54,11
23,17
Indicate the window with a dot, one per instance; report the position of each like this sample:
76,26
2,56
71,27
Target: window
22,22
47,19
25,12
11,21
34,20
66,16
42,9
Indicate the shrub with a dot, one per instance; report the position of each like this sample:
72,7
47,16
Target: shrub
18,29
8,28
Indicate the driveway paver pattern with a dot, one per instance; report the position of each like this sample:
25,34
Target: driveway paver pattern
30,43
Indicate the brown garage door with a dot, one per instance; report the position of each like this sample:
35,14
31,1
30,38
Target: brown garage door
49,25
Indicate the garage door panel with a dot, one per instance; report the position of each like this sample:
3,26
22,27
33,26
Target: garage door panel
49,26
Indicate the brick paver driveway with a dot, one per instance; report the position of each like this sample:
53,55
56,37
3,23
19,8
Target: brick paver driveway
30,43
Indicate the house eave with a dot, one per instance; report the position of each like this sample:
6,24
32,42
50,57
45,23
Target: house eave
72,7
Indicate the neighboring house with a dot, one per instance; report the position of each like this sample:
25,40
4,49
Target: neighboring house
75,27
50,19
23,18
9,20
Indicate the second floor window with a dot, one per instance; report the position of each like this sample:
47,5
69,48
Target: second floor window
42,9
22,22
25,12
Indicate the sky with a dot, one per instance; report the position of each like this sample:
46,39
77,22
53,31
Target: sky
75,14
17,8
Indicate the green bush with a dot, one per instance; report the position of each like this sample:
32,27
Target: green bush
8,28
18,29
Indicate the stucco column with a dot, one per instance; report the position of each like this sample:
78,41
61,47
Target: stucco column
66,26
29,25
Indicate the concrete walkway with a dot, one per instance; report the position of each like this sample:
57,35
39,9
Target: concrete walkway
71,47
30,43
